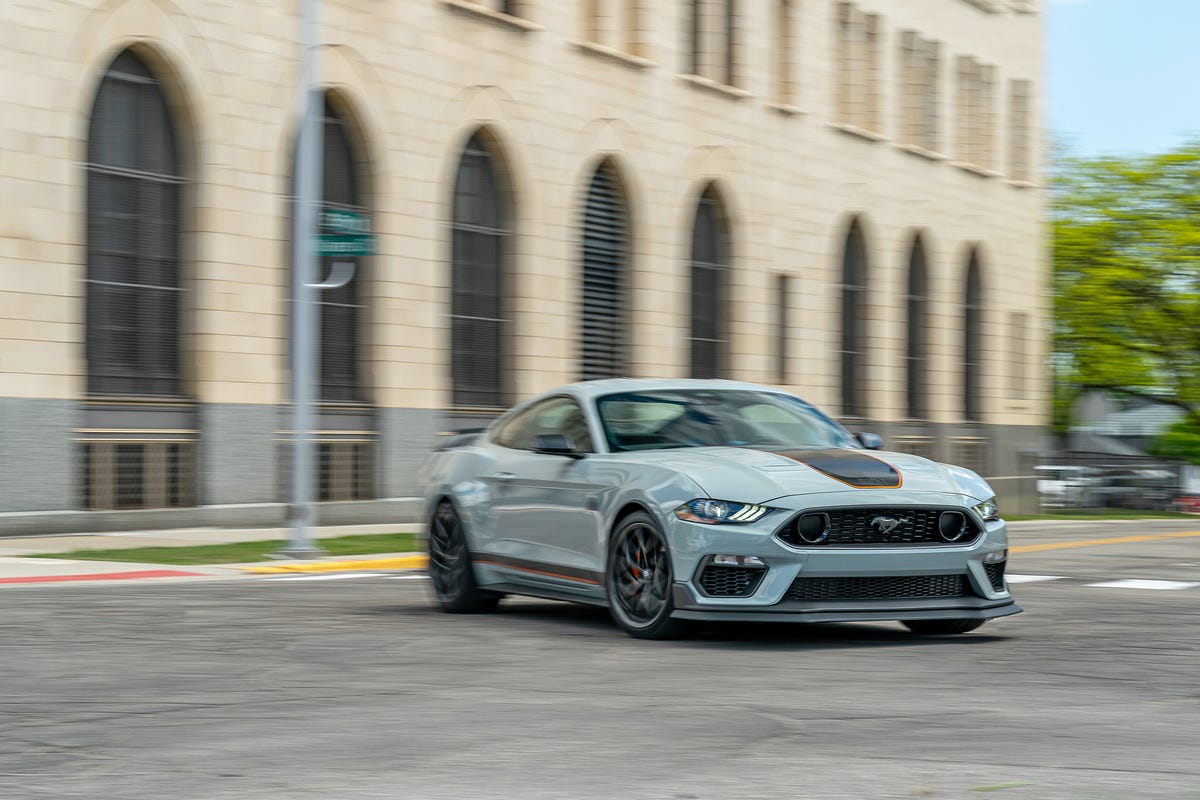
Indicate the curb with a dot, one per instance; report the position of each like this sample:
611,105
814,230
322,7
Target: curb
395,562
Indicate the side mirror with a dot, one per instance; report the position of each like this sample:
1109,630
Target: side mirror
555,444
871,441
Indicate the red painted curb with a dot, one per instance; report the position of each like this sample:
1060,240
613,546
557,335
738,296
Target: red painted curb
104,576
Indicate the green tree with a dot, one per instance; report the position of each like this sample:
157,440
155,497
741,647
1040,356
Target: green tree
1126,244
1181,441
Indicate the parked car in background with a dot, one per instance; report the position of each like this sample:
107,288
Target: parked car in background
1139,488
1066,486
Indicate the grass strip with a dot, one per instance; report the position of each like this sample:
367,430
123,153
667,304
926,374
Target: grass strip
244,552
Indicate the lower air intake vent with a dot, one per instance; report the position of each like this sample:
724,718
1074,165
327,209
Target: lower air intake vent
722,581
995,573
877,588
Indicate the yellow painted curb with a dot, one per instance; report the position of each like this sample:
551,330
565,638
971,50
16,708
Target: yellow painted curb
395,562
1149,537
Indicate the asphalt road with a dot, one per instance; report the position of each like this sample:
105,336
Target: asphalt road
357,688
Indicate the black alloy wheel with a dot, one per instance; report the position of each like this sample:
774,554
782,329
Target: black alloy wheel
639,580
939,627
450,569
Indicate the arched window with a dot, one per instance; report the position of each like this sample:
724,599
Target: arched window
341,308
710,282
854,322
134,198
480,229
972,364
916,359
605,259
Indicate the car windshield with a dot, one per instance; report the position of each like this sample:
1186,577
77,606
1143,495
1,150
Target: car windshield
656,420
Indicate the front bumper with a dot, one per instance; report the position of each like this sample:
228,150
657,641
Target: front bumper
983,595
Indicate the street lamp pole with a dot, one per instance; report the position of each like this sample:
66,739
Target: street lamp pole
304,268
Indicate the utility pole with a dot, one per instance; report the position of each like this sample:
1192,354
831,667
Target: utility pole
305,320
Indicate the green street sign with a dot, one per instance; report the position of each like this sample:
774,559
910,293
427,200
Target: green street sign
345,223
333,245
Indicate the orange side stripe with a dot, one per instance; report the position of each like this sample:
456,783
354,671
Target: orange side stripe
537,572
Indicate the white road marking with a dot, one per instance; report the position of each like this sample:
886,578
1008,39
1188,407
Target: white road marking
1134,583
326,576
408,577
1032,578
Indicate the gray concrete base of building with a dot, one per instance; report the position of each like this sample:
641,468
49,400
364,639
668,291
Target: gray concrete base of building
241,456
254,515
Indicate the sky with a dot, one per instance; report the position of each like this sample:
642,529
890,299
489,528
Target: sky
1123,76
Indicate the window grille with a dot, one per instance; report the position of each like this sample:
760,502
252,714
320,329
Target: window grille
971,452
972,341
605,255
134,198
917,346
709,290
854,323
479,251
123,474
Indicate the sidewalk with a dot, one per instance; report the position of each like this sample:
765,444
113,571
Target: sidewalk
16,570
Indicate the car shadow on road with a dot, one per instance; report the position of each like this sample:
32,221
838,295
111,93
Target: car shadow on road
571,619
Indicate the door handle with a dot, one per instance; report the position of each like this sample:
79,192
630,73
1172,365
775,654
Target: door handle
503,477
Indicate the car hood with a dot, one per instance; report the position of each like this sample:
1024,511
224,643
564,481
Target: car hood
759,476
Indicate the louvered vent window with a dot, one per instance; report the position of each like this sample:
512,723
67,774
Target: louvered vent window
605,254
854,323
479,231
134,187
710,267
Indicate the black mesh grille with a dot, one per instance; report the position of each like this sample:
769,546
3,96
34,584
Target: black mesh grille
918,526
908,587
722,581
995,573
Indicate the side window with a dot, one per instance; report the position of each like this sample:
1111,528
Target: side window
512,433
556,415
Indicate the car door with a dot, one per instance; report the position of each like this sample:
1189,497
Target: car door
543,504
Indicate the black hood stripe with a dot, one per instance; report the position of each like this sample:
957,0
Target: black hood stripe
851,467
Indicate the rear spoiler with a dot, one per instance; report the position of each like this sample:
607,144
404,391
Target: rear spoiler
453,439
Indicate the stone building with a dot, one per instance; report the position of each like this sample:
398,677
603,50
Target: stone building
839,198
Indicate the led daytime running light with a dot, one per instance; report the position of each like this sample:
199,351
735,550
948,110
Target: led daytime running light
716,512
988,510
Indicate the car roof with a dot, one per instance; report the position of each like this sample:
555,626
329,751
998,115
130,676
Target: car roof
587,390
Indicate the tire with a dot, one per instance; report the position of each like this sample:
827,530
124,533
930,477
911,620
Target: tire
450,570
639,580
937,627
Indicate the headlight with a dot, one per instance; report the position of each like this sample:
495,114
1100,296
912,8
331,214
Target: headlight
716,512
988,510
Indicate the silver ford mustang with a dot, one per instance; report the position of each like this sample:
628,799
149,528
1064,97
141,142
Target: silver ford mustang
678,501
